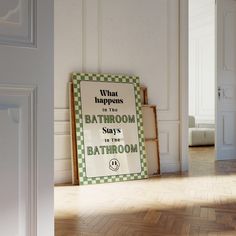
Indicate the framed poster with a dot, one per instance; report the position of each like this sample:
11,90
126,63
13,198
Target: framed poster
109,130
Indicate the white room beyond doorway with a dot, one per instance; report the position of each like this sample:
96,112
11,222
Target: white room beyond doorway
202,81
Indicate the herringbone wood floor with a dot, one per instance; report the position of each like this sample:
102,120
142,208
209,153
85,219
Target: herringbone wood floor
200,203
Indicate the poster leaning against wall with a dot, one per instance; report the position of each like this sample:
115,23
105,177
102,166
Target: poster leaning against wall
109,135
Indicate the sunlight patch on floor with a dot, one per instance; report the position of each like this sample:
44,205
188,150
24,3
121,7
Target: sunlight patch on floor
155,193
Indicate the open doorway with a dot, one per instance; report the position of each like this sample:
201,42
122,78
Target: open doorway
201,94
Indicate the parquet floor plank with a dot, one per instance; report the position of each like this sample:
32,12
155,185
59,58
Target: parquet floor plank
202,202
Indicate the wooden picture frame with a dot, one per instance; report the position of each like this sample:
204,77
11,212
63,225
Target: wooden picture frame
87,135
150,123
74,156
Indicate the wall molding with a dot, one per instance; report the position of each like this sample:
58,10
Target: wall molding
62,154
167,46
84,9
62,128
114,28
61,114
164,137
93,13
24,97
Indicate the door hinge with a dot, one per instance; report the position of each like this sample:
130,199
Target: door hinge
219,92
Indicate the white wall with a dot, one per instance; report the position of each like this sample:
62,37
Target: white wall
128,37
202,60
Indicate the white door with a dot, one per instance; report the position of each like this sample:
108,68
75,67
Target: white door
26,117
226,79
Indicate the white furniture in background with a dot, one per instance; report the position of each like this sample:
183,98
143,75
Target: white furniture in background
200,136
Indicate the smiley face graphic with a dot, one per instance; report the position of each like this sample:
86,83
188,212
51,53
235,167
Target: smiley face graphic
114,164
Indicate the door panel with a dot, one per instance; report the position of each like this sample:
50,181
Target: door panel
17,22
18,169
226,79
26,117
9,197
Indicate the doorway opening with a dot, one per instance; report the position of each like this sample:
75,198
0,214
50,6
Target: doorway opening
201,95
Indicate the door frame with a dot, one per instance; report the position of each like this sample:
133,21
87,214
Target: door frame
183,79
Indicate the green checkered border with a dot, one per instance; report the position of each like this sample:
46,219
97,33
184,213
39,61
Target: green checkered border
76,79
